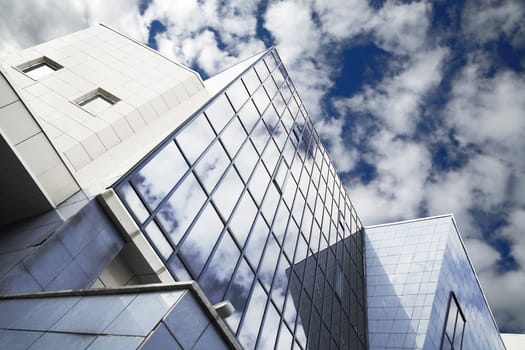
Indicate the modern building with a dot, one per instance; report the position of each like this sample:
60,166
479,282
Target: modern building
177,212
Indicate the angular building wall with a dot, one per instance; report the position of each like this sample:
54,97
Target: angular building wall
238,196
418,276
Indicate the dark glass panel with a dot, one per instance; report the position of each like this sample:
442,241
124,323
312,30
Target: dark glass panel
161,338
195,321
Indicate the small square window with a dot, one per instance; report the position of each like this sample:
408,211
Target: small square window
97,101
39,67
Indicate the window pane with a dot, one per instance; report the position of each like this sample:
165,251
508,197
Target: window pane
133,201
270,87
228,192
245,161
451,319
290,240
176,215
195,137
271,118
237,94
261,100
259,182
251,81
219,112
96,104
233,137
158,240
260,136
270,157
253,318
270,328
219,272
201,240
256,241
458,335
267,268
243,218
211,166
248,115
160,174
238,292
261,70
271,201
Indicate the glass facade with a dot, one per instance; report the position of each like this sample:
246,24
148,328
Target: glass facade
412,268
244,199
149,319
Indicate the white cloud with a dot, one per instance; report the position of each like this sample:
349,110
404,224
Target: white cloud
343,20
482,255
397,191
397,99
27,23
486,20
402,28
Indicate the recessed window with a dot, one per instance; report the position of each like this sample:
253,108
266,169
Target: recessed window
454,327
97,101
39,68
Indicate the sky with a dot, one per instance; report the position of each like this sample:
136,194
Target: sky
421,104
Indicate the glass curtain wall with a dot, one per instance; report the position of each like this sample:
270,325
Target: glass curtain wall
242,198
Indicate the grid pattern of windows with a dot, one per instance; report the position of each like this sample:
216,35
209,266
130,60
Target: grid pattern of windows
242,198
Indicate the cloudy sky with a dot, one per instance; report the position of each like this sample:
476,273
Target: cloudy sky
421,104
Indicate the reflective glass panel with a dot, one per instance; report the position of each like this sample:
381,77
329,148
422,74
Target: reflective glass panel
177,214
211,166
159,175
242,221
249,115
246,160
237,94
195,137
134,203
233,137
159,240
200,241
219,112
220,269
251,81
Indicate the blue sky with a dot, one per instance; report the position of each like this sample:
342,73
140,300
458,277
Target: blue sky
421,104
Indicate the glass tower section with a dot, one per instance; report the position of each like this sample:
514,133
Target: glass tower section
244,199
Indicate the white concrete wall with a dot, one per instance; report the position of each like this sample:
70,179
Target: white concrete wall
155,95
34,150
